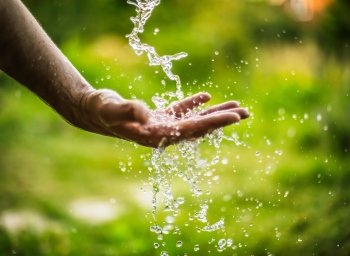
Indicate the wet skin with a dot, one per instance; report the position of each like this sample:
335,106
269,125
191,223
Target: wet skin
132,120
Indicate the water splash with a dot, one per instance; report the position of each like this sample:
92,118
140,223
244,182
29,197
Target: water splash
144,9
183,161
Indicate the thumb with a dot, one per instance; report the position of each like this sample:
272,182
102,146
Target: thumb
113,113
109,108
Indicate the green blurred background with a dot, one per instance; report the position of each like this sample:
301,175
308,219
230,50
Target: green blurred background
283,190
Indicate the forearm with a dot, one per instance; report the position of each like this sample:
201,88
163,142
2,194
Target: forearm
29,56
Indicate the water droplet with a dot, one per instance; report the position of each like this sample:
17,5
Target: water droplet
279,152
170,219
215,160
281,111
221,244
164,253
202,214
224,161
229,242
196,248
216,178
180,200
179,244
216,53
216,226
156,245
156,31
319,117
156,229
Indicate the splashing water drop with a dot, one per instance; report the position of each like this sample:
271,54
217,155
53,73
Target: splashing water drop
319,117
221,244
202,214
156,31
216,226
279,152
196,248
179,244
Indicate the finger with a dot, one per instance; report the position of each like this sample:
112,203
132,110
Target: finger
114,113
197,127
182,107
164,134
111,109
223,106
242,112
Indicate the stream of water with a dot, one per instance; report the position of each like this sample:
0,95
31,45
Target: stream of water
182,162
144,10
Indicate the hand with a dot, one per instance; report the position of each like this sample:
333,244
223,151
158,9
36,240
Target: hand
109,114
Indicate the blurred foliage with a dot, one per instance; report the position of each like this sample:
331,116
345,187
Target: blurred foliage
283,191
333,31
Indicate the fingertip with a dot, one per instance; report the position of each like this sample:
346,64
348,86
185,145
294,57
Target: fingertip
235,103
199,126
229,104
204,96
244,113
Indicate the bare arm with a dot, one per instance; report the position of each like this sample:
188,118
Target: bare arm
29,56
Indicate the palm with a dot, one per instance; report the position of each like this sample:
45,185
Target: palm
131,120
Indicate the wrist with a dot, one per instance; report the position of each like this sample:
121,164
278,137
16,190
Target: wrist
88,115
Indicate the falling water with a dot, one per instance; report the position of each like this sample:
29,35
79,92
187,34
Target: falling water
184,160
144,10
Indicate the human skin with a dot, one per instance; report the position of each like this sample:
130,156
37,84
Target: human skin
28,55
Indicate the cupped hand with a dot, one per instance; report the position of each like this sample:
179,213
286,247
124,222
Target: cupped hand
109,114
